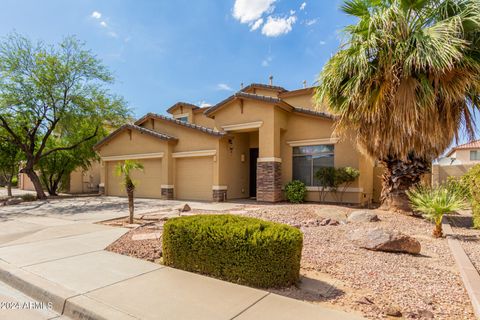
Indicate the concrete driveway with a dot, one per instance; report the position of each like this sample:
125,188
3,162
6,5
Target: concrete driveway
53,252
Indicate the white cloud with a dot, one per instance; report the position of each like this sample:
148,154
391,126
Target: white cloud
248,11
292,12
322,43
266,61
303,5
112,34
96,15
204,104
103,24
311,22
254,26
224,87
275,27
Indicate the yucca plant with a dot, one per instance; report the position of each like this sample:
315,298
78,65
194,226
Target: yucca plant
435,202
124,170
404,83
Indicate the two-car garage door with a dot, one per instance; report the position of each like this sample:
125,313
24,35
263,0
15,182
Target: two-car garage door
148,181
193,178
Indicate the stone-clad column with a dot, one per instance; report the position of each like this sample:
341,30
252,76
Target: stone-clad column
219,193
167,192
269,179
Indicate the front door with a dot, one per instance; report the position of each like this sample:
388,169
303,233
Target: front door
253,172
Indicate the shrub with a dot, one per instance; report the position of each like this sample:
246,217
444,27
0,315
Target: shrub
238,249
472,181
435,202
28,197
295,191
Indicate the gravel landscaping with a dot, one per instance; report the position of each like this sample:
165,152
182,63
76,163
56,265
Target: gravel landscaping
338,273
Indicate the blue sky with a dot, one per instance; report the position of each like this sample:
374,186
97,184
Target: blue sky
162,52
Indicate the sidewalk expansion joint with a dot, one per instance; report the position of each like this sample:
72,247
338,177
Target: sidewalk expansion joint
66,257
250,306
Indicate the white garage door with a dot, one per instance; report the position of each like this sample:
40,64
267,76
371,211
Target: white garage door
194,178
148,181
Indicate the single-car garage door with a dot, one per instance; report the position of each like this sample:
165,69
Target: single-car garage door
194,178
148,181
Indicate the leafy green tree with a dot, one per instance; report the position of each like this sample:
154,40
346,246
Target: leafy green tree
124,170
405,82
326,181
344,177
435,202
10,157
46,91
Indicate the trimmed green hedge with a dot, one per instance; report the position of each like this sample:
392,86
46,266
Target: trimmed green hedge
238,249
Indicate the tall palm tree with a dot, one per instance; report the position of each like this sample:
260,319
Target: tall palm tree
405,82
124,170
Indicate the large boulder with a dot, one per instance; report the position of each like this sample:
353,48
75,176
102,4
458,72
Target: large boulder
362,216
379,239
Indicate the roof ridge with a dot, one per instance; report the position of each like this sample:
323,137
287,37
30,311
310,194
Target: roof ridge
182,123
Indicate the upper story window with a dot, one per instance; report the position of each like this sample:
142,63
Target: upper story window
183,119
308,159
475,155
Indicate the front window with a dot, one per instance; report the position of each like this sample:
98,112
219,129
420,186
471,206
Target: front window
308,159
475,155
183,119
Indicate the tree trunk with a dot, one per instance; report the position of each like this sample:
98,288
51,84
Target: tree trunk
400,176
130,190
36,182
9,187
438,232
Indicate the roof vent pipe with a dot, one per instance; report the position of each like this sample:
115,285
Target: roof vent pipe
241,85
304,83
270,80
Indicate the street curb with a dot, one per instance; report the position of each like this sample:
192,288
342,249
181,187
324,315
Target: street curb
64,301
34,286
468,272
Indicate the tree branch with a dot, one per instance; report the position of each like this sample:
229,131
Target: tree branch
72,146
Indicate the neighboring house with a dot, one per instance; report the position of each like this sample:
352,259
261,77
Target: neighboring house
456,162
81,181
248,145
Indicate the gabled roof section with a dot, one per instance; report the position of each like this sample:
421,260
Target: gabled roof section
146,131
249,96
182,104
299,92
180,123
252,86
470,145
313,113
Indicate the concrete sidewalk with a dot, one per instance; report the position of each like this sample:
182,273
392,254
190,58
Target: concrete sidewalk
61,261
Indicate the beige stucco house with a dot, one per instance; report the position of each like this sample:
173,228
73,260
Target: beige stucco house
249,145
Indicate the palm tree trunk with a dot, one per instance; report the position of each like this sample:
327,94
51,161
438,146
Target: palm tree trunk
400,176
130,203
438,232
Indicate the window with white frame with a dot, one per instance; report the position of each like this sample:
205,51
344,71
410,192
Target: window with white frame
475,155
308,159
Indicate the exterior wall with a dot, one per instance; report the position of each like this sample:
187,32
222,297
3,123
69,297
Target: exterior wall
202,120
302,127
263,92
463,155
233,159
440,173
85,181
188,139
24,182
304,100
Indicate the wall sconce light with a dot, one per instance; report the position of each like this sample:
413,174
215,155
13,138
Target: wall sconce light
242,157
230,145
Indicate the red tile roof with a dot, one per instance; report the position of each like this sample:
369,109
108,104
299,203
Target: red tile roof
470,145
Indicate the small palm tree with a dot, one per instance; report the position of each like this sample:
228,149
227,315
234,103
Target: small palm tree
124,170
435,202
